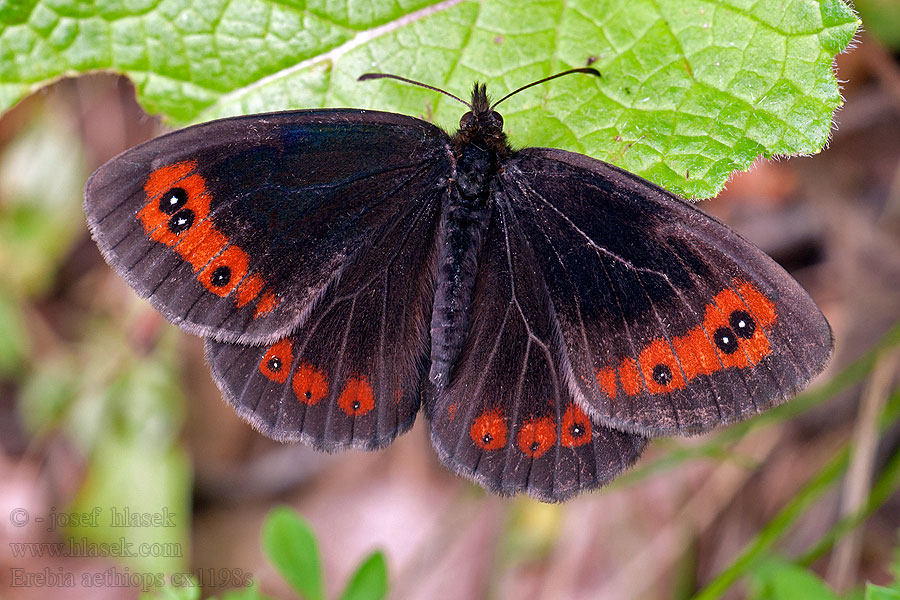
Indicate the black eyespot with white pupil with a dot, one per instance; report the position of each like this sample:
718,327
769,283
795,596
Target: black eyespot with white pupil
577,430
181,221
355,404
726,340
742,324
662,374
172,201
487,438
221,276
274,364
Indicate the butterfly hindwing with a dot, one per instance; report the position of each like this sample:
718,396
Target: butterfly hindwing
672,323
349,375
235,228
507,420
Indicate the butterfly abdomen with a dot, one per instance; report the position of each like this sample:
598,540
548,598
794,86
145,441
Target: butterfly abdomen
479,147
460,235
465,216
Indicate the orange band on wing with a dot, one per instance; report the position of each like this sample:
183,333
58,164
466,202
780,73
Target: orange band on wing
165,178
606,379
715,322
266,303
276,362
576,427
249,289
696,353
732,335
660,367
200,244
177,213
760,307
310,384
536,437
630,377
225,271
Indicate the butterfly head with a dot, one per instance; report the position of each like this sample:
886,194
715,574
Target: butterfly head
482,118
482,126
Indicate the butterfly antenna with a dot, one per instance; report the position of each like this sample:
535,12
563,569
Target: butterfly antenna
367,76
588,70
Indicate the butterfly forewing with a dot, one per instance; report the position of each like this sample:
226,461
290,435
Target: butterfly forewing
349,375
508,420
235,228
672,323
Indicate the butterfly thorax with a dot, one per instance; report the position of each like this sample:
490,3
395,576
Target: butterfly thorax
478,146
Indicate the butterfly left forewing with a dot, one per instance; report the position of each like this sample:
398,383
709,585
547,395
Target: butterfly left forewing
672,323
507,419
233,229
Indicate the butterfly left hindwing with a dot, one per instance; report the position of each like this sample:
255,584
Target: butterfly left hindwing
349,375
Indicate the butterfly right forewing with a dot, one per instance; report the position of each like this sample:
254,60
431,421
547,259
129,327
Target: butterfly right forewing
672,323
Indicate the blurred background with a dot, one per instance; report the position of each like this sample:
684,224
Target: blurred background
105,408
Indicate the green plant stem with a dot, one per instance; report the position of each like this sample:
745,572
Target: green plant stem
779,524
885,487
821,482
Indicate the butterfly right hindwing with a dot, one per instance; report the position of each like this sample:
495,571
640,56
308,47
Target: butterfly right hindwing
507,420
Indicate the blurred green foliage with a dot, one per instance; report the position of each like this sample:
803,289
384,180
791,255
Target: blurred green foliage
882,20
290,544
779,580
38,219
121,408
38,224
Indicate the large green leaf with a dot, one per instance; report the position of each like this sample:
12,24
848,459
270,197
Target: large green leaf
691,89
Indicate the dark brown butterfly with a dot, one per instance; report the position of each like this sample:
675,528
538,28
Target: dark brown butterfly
550,311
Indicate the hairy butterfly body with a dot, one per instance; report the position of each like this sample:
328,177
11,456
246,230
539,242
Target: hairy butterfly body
549,312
